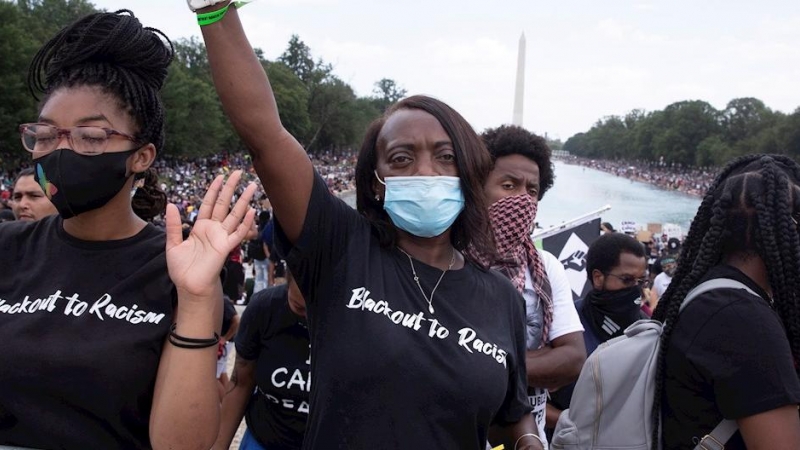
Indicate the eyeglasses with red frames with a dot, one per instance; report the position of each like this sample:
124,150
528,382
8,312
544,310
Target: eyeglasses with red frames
41,139
628,280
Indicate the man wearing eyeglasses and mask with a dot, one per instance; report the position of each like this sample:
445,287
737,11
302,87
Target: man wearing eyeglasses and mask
616,265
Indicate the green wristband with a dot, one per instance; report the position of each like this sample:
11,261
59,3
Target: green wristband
208,18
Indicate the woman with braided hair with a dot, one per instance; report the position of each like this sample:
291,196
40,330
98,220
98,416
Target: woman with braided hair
110,325
733,354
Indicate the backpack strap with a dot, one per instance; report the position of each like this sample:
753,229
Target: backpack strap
710,285
718,437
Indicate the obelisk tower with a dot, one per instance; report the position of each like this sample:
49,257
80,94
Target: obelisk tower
519,90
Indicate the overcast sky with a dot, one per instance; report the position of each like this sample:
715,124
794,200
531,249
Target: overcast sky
586,59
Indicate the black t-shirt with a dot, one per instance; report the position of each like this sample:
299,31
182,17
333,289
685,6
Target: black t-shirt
277,340
728,357
387,373
228,313
234,280
255,249
82,325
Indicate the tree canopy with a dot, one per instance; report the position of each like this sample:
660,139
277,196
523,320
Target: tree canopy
692,133
321,110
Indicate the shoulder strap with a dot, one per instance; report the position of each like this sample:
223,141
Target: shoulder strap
718,437
710,285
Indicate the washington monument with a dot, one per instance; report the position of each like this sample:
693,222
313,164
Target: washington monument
519,90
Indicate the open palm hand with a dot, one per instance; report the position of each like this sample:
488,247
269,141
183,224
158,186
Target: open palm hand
195,263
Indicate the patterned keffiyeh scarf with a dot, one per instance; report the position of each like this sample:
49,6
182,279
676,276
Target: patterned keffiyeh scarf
512,221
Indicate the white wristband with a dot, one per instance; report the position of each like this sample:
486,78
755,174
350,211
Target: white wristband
544,446
195,5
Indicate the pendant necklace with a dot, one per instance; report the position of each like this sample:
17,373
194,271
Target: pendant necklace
416,278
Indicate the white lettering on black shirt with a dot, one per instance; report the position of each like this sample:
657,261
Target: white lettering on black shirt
102,308
467,337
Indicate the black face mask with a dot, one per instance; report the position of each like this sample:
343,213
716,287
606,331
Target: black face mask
78,183
612,311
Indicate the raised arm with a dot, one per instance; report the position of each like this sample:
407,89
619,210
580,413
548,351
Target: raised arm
280,161
185,411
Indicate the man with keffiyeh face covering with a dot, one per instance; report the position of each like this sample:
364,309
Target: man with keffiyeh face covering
522,173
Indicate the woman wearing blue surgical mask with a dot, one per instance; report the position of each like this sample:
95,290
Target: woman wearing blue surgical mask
110,324
413,345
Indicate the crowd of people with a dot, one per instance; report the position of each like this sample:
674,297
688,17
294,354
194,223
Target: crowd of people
184,180
426,317
690,180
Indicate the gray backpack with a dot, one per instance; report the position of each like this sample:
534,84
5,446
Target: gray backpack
612,403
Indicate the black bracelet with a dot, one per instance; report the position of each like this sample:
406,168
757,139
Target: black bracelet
192,346
184,342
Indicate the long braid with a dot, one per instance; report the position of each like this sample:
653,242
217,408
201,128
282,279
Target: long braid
747,208
787,294
784,278
115,53
764,202
786,285
779,247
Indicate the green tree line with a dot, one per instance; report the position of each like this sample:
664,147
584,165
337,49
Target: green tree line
317,107
692,133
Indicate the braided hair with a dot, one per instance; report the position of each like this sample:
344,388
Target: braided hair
750,208
115,53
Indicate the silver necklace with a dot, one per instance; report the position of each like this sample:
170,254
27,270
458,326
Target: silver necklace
416,278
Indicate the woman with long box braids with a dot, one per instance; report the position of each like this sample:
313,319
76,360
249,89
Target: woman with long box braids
731,354
110,325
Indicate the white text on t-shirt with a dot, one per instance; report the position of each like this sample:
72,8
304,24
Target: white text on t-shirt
467,337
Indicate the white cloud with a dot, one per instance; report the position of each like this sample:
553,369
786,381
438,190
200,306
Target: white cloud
611,28
644,6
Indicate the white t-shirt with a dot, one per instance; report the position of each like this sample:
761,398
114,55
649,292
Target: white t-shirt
661,282
565,321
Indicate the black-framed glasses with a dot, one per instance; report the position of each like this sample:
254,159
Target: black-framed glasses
41,139
628,280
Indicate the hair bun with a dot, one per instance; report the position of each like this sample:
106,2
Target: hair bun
115,41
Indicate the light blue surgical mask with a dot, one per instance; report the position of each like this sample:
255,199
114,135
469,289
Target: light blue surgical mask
423,206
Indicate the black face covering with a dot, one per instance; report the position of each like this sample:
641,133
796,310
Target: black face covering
612,311
78,183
